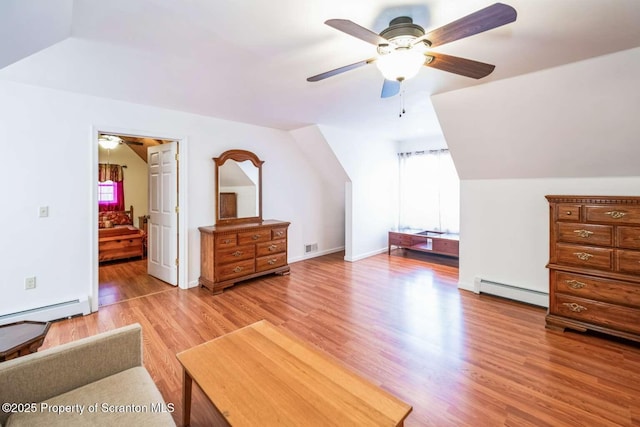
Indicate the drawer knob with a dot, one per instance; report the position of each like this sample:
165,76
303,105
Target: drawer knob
273,248
615,214
583,233
577,308
255,236
272,261
583,256
574,284
238,269
237,253
568,212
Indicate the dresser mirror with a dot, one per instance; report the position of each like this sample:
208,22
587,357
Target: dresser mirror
238,187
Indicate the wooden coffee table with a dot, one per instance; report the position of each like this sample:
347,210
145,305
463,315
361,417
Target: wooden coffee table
21,338
259,375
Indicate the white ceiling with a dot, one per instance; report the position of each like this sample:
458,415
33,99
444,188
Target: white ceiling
248,60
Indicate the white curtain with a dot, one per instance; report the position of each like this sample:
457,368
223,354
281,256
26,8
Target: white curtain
429,191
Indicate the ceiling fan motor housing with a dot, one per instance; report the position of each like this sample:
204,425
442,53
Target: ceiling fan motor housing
402,26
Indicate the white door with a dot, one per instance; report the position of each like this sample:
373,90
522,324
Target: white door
162,226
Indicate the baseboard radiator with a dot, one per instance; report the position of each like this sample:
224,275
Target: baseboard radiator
61,310
529,296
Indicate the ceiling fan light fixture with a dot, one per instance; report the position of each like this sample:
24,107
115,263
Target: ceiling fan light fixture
400,64
109,142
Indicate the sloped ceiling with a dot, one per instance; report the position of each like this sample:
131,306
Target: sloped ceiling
577,120
248,60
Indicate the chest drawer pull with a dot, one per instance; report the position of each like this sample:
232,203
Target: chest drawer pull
279,233
255,236
273,248
568,212
583,233
237,253
226,241
238,269
574,284
577,308
583,256
272,261
615,214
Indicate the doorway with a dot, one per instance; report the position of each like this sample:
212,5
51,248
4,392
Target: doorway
127,277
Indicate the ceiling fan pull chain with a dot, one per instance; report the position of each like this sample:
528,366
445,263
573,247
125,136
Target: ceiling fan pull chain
402,111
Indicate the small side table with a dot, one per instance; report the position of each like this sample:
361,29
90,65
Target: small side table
21,338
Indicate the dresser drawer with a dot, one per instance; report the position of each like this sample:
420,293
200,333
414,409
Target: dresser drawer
585,256
595,288
255,236
613,214
566,212
598,313
271,261
235,269
272,247
446,246
628,261
587,234
235,254
278,233
226,240
628,237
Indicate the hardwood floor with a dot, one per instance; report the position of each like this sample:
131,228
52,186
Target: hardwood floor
458,358
126,279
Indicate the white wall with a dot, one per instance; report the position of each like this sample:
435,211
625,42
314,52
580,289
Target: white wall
371,193
45,137
505,226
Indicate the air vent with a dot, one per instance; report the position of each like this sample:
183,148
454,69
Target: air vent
312,247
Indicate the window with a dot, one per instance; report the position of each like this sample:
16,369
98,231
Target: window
107,192
429,191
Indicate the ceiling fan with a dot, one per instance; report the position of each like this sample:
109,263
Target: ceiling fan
403,46
110,142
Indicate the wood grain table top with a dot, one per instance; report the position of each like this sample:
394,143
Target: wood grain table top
258,375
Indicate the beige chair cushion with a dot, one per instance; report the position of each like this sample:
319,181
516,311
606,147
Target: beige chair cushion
128,398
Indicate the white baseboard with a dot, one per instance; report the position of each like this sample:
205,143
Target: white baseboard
60,310
316,254
366,255
513,292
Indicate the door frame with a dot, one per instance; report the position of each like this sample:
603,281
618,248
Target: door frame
93,191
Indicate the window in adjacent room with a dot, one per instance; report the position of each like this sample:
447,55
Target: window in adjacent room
429,191
107,192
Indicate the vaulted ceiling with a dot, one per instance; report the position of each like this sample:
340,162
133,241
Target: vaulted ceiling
248,60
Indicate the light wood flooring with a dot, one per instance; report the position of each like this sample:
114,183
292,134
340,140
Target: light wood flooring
458,358
126,279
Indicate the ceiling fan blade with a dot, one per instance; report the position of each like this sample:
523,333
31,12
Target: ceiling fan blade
390,88
461,66
485,19
356,30
326,74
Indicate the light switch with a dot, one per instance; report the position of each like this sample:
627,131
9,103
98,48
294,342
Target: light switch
44,211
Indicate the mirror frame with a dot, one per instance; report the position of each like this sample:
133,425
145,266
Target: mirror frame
238,156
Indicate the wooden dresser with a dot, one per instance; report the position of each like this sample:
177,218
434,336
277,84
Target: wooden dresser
434,242
231,253
594,264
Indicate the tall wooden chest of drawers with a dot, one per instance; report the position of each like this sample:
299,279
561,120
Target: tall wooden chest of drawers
232,253
594,264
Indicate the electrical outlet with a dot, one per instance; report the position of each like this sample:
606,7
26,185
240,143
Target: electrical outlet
30,283
44,211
